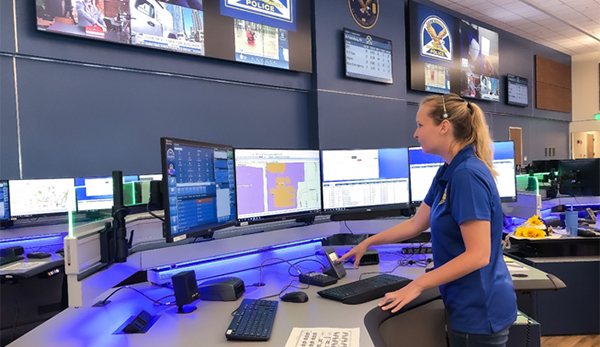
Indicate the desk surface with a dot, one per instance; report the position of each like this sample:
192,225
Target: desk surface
92,326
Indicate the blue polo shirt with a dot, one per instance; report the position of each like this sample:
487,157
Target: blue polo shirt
483,301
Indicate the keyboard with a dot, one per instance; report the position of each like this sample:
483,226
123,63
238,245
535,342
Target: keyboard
8,260
317,279
366,289
253,320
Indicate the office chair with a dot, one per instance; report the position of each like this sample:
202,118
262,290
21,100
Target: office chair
422,322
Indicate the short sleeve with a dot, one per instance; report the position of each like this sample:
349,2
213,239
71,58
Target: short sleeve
470,196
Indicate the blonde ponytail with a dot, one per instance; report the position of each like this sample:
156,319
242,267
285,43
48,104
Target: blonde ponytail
469,124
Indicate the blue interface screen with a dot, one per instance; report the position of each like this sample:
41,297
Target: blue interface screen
201,188
4,201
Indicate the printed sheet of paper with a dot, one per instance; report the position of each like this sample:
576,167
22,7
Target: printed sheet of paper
324,337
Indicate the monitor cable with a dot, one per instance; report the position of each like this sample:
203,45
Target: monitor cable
156,302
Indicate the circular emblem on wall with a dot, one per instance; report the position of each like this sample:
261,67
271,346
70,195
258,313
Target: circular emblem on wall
364,12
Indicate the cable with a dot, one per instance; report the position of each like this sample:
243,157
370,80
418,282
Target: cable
156,302
260,282
284,289
355,237
152,214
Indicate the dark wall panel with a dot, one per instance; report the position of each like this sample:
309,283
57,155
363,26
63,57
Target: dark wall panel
7,33
92,121
9,165
348,122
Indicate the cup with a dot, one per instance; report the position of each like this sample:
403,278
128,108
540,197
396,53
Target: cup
571,222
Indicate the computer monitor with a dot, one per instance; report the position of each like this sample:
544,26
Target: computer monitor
365,180
198,183
275,184
96,193
579,177
423,168
504,164
41,197
4,201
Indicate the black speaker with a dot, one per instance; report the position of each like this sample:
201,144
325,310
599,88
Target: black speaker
371,257
186,290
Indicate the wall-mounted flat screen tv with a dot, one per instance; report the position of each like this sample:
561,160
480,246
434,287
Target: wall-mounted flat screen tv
275,34
516,91
367,57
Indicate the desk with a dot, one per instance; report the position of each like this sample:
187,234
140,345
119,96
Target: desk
94,326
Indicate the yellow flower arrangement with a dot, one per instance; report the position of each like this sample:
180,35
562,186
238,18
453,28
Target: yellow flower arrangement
532,228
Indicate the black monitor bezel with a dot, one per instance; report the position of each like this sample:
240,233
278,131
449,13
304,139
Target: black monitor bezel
366,78
508,102
281,216
204,231
370,210
51,214
5,183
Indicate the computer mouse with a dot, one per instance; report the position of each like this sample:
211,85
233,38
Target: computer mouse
295,297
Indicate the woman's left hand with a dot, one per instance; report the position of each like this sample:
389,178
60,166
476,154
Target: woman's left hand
396,300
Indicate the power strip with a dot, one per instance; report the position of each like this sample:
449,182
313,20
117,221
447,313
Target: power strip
416,250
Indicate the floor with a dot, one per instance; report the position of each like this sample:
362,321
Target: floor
571,341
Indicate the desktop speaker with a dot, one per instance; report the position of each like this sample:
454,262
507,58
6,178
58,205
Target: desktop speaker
222,289
186,290
371,257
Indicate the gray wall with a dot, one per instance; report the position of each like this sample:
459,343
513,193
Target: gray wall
86,108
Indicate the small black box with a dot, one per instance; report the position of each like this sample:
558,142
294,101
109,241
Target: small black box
371,257
11,251
222,289
185,287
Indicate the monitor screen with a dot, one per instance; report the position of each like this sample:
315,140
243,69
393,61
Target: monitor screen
4,201
580,177
277,184
368,57
198,182
516,90
423,168
96,193
274,34
365,179
504,164
41,197
479,60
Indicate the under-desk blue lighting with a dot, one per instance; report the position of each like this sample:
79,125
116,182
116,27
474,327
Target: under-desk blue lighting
242,253
34,238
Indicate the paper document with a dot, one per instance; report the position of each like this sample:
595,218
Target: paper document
21,266
324,337
514,267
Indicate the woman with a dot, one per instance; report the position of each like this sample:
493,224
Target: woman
464,212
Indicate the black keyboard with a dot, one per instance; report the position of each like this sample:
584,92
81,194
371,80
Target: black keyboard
317,279
366,289
253,320
8,260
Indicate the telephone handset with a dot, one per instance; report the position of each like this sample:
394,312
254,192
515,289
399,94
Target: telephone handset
336,268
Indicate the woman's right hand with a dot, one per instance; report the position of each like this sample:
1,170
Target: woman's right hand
357,252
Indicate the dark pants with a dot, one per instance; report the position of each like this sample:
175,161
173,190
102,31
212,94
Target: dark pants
497,339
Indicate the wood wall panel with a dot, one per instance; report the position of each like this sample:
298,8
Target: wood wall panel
553,85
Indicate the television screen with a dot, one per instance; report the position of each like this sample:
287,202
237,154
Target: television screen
198,184
368,57
504,164
479,58
516,91
365,179
257,32
277,184
41,197
96,193
423,168
432,62
4,201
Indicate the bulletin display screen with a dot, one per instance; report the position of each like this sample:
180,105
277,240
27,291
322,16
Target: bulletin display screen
274,33
368,57
517,91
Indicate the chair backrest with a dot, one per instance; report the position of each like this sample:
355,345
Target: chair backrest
422,322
